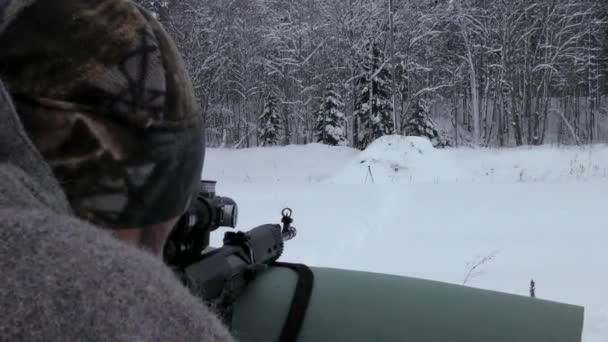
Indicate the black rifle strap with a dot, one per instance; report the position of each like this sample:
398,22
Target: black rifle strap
299,302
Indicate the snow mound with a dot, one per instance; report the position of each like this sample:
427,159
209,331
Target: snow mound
398,159
405,160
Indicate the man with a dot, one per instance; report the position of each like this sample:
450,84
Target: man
100,141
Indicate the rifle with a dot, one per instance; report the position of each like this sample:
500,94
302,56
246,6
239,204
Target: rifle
219,275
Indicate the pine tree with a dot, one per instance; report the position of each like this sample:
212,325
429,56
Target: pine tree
270,123
377,121
330,128
420,124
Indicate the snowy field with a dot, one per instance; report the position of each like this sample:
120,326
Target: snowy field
402,207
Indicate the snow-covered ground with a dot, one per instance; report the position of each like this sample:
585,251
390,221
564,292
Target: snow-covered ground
402,207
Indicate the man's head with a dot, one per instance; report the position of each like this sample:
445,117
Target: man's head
104,95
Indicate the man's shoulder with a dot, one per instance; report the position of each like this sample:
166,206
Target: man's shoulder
68,279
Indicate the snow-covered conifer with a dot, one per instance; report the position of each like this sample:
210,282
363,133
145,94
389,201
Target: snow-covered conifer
270,123
373,105
330,128
420,124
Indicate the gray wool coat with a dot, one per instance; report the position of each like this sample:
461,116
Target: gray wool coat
62,279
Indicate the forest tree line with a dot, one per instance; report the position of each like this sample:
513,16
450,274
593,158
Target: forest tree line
477,72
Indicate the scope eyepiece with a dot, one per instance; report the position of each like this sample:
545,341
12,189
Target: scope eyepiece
206,213
212,211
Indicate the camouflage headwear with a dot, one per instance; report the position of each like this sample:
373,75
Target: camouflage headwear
103,92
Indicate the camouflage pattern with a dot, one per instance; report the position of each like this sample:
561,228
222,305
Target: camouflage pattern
103,93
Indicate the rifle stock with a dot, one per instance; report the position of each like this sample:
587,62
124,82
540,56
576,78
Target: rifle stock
221,274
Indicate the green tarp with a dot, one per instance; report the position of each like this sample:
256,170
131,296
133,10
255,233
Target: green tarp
362,306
